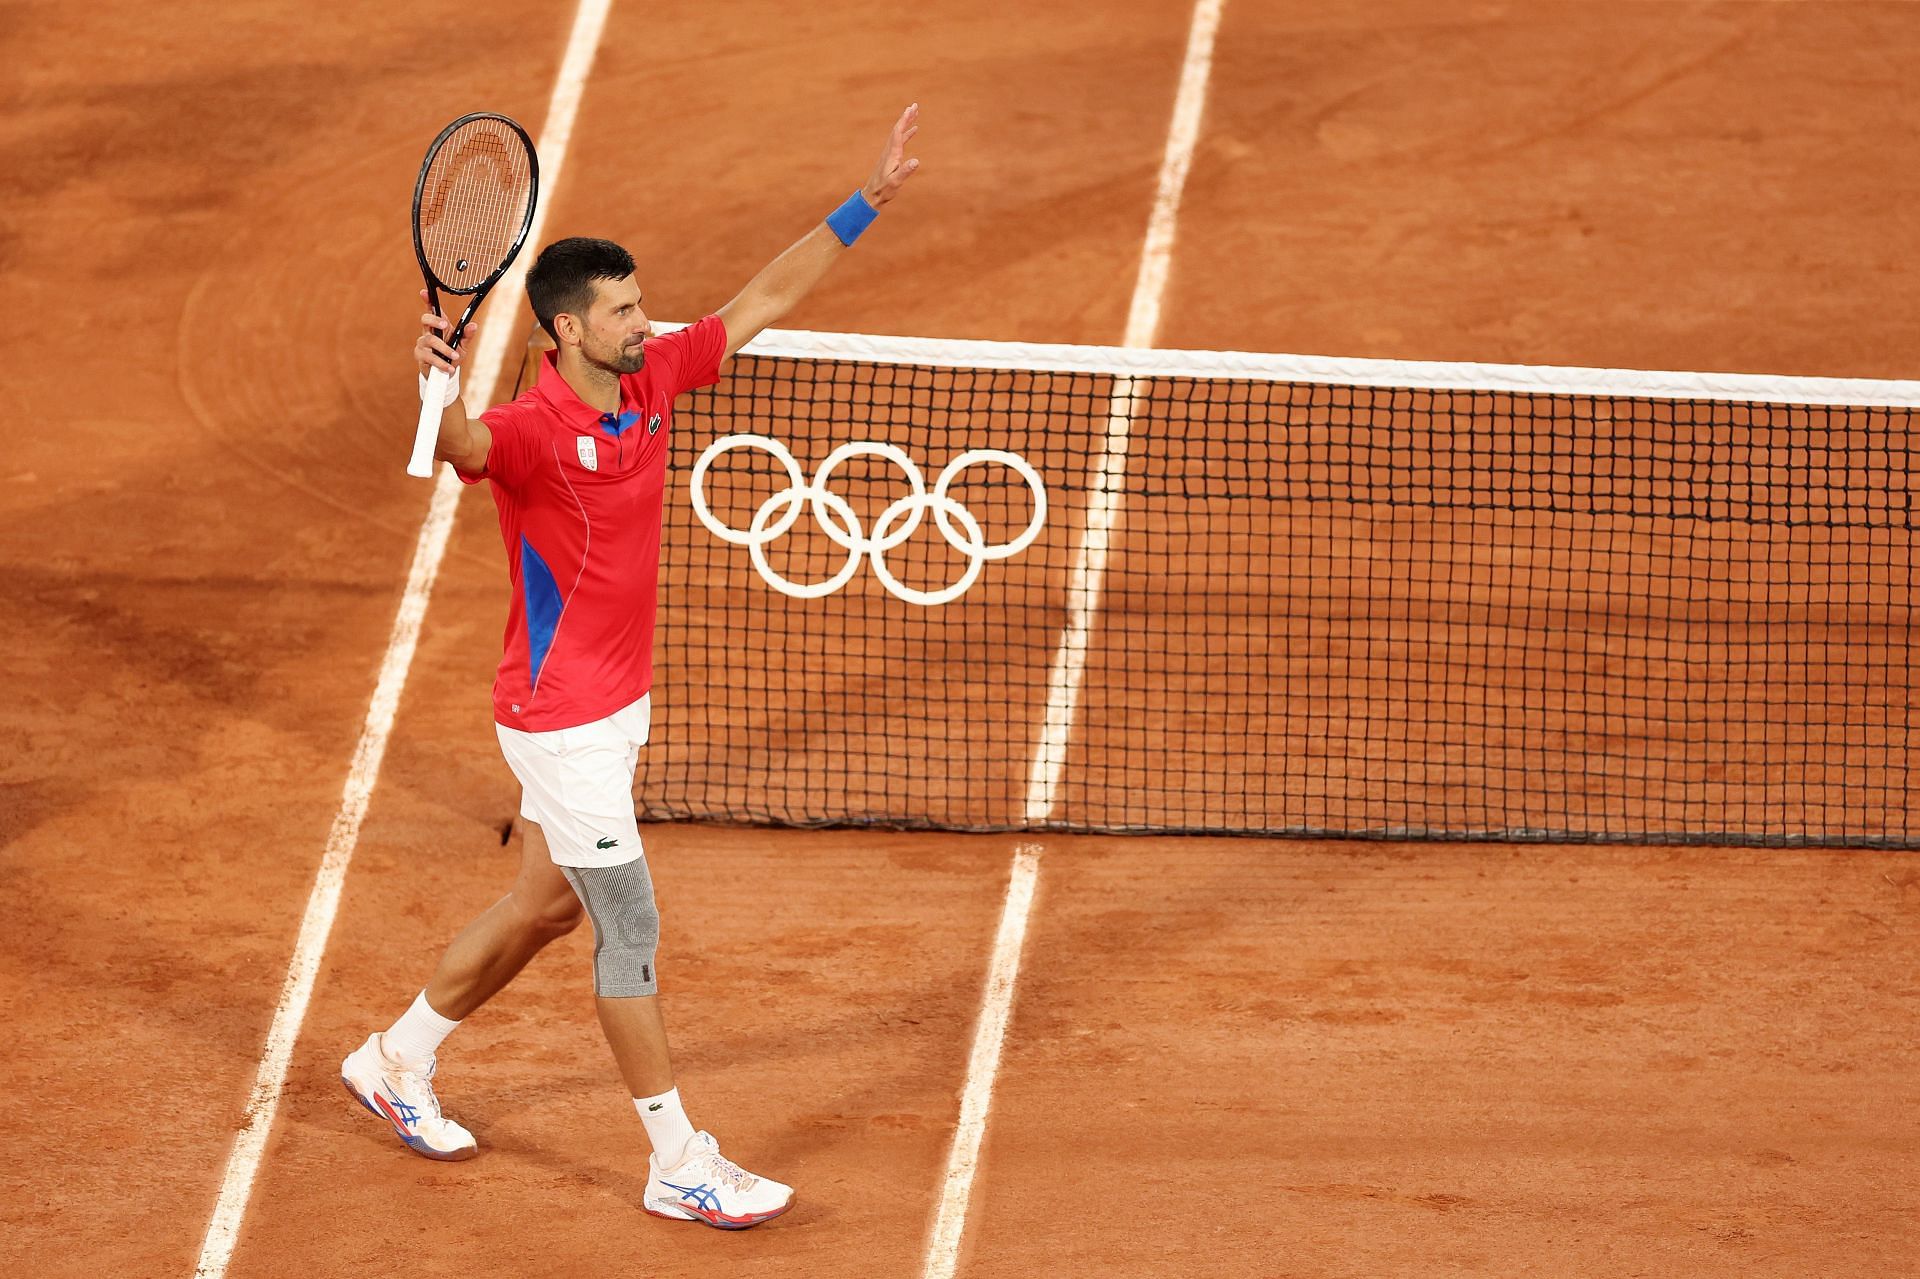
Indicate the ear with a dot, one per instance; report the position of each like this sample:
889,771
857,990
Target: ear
567,329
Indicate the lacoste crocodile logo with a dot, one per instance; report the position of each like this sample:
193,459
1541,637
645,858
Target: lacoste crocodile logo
606,843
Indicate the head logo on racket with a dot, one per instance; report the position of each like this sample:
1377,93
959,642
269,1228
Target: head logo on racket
841,523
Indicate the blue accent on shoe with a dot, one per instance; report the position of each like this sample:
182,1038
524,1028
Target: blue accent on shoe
543,607
701,1196
414,1142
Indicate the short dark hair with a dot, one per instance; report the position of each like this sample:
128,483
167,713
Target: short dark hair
562,277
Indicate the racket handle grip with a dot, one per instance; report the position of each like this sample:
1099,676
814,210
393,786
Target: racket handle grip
432,402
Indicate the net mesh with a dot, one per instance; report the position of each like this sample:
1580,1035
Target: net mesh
1262,605
473,203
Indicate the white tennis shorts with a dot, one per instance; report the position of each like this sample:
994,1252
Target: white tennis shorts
578,784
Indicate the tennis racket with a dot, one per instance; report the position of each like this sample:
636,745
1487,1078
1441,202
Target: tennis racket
472,207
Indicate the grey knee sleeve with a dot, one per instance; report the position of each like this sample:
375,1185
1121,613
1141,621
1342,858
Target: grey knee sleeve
626,925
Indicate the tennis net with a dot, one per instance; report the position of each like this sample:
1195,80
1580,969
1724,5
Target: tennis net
987,586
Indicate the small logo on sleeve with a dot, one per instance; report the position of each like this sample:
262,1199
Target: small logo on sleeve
589,456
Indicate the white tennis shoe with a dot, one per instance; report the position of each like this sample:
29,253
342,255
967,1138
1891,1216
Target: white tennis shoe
404,1098
707,1186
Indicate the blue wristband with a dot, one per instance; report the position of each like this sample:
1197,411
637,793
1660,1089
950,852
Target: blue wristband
851,218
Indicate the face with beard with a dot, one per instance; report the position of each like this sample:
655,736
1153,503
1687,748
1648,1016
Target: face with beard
615,328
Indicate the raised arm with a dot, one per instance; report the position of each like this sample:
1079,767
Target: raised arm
784,281
463,441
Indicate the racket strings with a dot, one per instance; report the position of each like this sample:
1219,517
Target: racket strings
474,203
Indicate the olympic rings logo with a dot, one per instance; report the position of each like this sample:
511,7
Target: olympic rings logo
842,524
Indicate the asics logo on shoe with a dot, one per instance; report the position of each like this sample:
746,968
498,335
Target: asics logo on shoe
604,842
701,1196
399,1111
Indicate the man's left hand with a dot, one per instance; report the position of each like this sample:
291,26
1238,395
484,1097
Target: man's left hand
894,168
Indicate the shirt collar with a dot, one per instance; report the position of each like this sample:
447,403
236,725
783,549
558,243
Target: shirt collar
574,411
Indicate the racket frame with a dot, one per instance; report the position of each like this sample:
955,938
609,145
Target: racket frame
420,464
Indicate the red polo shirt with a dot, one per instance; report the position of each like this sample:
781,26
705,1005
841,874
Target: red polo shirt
579,494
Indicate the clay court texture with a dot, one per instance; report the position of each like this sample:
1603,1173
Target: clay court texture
1224,1056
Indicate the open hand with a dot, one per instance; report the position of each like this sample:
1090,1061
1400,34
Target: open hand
894,168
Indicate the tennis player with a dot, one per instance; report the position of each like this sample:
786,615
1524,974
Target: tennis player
577,466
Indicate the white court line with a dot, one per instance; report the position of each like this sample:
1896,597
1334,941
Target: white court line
983,1064
1109,470
1063,685
250,1143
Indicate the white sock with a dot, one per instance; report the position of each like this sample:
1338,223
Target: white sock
667,1126
417,1036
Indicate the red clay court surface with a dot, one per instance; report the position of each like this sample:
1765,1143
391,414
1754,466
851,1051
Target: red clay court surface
1227,1057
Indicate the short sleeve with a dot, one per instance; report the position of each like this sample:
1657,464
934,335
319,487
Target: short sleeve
509,457
692,355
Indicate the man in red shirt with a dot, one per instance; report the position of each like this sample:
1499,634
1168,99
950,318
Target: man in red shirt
577,466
